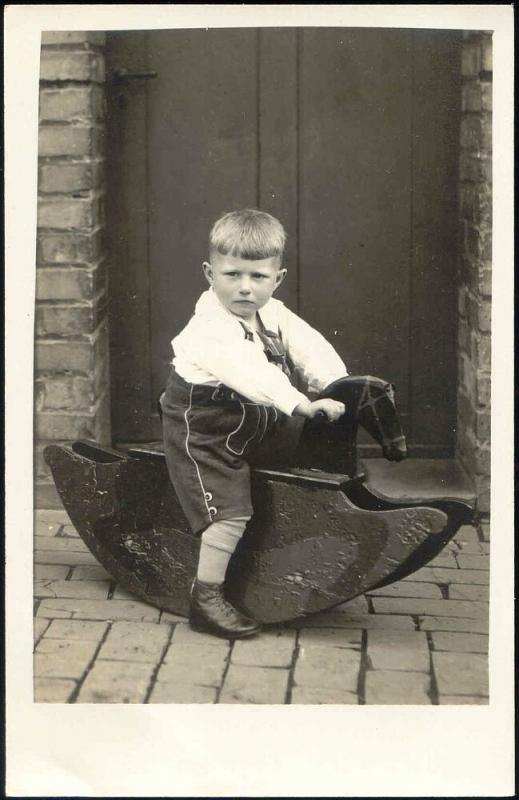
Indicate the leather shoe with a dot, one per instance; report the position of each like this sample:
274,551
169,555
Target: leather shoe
212,613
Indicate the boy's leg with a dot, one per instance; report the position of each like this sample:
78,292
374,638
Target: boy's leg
210,611
213,487
219,542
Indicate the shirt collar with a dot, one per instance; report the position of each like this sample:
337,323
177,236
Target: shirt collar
209,305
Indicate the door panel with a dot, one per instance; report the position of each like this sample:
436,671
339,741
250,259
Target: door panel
355,196
203,160
349,136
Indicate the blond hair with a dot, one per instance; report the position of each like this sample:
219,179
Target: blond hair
248,233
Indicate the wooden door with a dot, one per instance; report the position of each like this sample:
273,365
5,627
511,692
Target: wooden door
349,136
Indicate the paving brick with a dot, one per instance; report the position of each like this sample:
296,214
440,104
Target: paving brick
72,558
444,560
58,658
330,637
314,696
76,629
110,682
69,531
466,591
396,688
329,619
134,641
467,533
109,610
440,608
59,543
91,590
359,605
268,649
94,572
473,562
398,650
46,528
40,626
53,690
171,693
461,673
472,549
463,625
331,668
51,571
53,515
459,700
196,665
122,594
166,618
485,530
447,576
460,642
408,589
257,685
58,613
183,635
485,547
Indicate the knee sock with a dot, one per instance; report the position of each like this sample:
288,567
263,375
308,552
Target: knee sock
219,542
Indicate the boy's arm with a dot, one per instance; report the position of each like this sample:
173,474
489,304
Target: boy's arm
240,365
316,359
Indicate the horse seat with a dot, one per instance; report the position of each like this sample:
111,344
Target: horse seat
418,479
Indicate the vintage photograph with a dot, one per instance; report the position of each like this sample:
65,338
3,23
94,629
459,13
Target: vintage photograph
262,376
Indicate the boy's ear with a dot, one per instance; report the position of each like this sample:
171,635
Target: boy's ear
280,277
208,271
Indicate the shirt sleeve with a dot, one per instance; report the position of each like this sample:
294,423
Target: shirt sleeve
314,357
239,364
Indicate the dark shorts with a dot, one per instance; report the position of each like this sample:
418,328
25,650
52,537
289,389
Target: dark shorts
211,437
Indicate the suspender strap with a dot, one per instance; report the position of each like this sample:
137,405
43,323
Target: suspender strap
273,345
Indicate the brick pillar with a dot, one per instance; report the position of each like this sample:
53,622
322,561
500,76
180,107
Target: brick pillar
72,397
475,288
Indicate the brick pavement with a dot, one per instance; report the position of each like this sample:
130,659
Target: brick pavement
423,640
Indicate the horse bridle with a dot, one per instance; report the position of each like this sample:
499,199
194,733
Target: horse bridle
367,400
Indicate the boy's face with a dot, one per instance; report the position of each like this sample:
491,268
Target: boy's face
241,285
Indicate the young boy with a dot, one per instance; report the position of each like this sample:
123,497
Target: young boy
229,398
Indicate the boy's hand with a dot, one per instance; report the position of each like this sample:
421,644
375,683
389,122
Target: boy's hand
332,408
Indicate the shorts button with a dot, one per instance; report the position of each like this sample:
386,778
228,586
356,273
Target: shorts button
208,496
213,511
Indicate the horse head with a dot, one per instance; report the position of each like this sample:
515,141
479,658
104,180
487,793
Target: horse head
376,412
332,446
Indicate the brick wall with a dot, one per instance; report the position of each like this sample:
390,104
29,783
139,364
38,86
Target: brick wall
475,289
71,347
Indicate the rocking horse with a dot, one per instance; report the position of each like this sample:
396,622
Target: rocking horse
319,535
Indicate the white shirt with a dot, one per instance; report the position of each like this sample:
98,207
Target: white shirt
212,349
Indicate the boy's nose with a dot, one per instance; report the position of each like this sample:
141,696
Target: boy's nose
245,287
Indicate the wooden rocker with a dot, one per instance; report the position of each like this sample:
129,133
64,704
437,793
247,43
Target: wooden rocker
319,535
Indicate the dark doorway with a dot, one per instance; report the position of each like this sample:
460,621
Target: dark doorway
350,137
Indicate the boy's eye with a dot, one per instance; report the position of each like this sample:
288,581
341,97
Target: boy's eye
258,275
